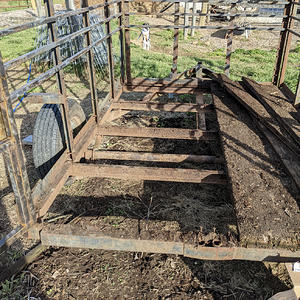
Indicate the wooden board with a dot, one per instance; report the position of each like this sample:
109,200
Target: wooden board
256,109
272,99
263,195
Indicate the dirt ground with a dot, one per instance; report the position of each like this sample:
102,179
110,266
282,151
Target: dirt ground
63,273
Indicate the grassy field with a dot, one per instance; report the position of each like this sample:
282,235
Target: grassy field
256,64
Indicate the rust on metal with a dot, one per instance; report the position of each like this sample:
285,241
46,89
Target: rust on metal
158,106
176,39
229,41
46,98
90,60
283,43
3,133
66,236
152,157
148,173
127,42
160,133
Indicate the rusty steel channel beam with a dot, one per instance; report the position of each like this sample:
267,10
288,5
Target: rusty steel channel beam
54,70
47,98
66,237
153,157
160,133
163,89
155,106
47,20
149,173
27,56
170,82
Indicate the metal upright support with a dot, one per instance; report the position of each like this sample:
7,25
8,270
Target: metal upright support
110,58
176,35
229,41
186,20
297,94
90,60
127,42
49,8
3,134
194,18
284,45
121,42
13,156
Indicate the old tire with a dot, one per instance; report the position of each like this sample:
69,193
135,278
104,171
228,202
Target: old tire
48,141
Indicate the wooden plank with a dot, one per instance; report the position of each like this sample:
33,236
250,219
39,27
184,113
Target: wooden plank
24,261
160,133
149,173
201,124
290,161
153,157
159,106
256,109
273,103
263,194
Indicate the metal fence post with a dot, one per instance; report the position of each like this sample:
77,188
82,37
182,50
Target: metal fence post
229,42
121,42
13,156
110,53
176,35
127,42
90,60
284,45
49,8
186,20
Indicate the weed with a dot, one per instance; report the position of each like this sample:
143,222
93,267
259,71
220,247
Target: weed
9,289
108,211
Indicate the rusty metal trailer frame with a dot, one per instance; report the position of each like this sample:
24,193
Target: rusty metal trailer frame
32,206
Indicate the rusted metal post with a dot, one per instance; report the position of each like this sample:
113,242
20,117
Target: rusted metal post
284,45
110,58
13,156
194,18
3,134
176,35
121,42
90,60
297,94
49,8
229,42
186,20
127,42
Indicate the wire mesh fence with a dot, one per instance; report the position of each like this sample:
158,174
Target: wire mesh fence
66,27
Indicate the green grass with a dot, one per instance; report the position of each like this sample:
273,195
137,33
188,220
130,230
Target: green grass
17,44
256,64
8,6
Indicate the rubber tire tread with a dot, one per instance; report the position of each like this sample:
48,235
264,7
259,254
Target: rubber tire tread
48,135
